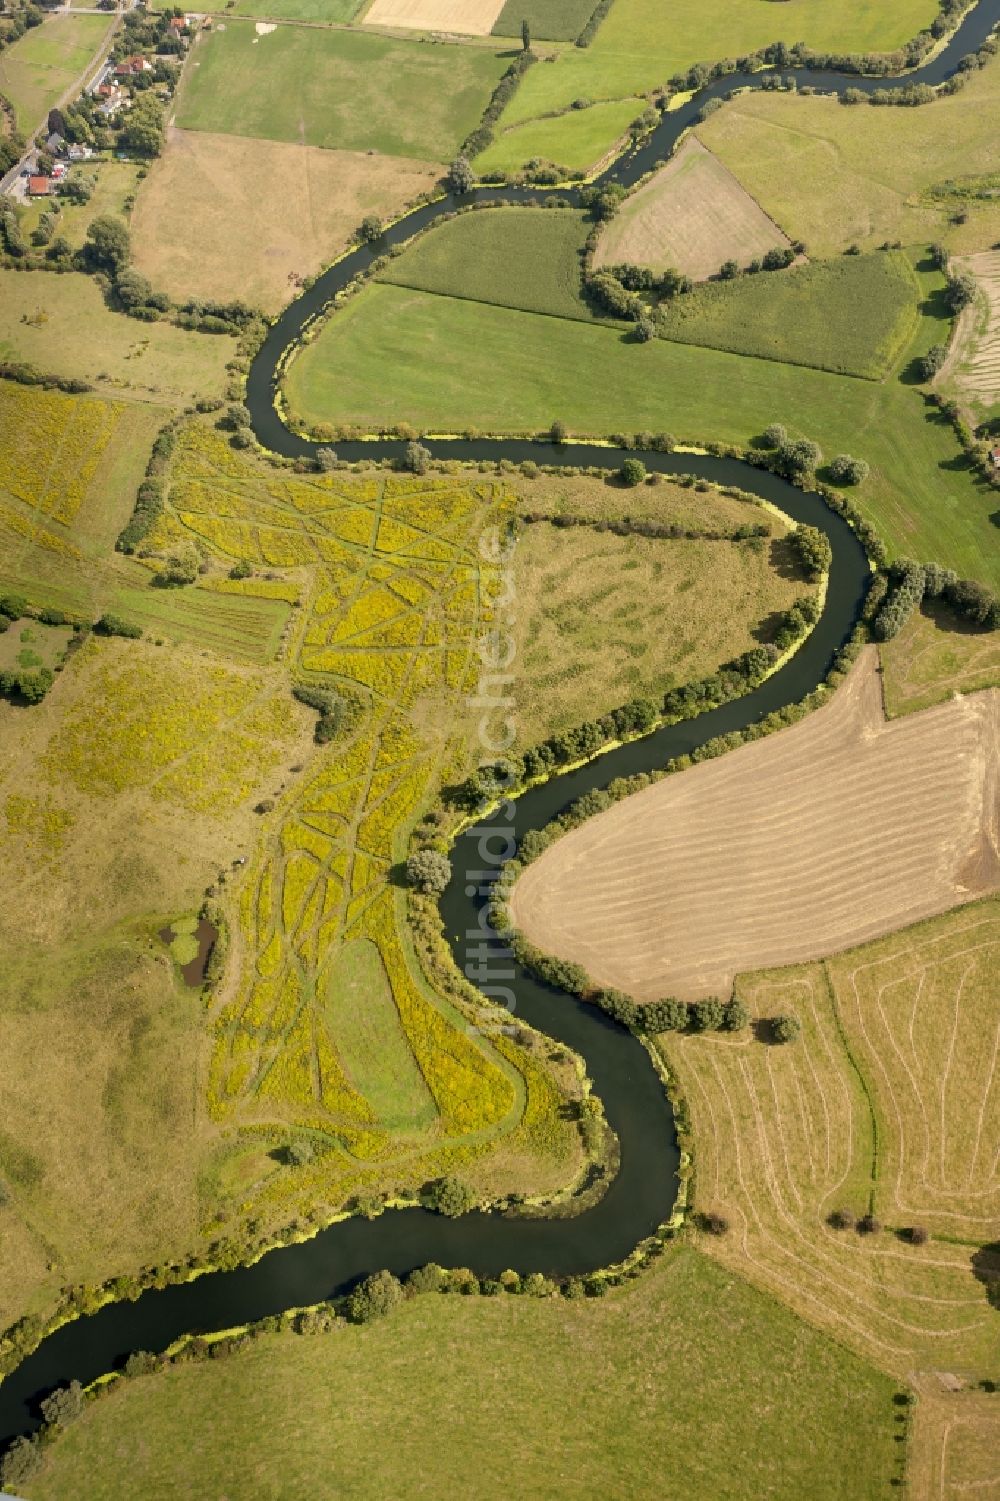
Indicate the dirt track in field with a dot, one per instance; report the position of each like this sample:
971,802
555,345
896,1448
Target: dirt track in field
835,831
468,17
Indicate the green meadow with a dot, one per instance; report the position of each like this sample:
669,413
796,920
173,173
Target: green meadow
349,89
446,364
688,1385
46,62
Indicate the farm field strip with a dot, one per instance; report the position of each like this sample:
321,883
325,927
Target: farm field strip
842,828
973,365
464,17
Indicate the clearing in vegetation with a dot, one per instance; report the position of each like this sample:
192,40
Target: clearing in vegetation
548,20
576,139
62,325
38,69
468,17
513,257
852,315
393,355
256,240
635,50
934,657
349,89
687,1349
835,830
833,175
888,1103
972,370
692,215
577,590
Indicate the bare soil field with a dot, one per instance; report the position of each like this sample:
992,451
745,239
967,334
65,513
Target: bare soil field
835,831
693,214
972,370
465,17
268,212
888,1103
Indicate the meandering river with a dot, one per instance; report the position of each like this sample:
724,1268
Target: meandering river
642,1195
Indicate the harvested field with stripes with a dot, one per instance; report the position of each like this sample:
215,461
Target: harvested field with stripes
889,1104
833,832
973,367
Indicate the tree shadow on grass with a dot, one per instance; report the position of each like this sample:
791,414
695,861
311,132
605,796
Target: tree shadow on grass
986,1269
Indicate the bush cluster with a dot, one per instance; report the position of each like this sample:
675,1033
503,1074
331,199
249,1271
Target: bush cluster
149,496
329,705
910,583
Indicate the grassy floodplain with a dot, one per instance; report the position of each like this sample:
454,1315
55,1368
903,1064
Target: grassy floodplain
833,175
349,89
446,364
62,324
512,257
46,62
575,139
851,316
550,1389
634,50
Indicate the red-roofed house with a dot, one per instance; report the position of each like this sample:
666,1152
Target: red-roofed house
39,187
995,456
133,65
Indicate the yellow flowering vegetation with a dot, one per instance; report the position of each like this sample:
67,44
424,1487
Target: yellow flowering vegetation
51,446
394,596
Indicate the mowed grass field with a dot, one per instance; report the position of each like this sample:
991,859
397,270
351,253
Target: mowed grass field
348,89
583,647
839,829
322,12
443,364
61,324
638,47
935,656
576,1390
576,139
887,1100
39,68
256,239
833,176
852,315
512,257
692,215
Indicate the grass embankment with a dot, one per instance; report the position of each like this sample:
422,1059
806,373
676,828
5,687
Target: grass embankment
575,1389
445,365
513,257
39,68
349,89
833,175
634,51
255,239
935,656
851,316
62,325
584,647
888,1097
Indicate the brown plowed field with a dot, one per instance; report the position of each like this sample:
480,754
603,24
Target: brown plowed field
833,832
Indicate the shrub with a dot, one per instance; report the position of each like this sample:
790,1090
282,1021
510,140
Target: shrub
841,1219
798,457
728,271
960,291
460,175
416,458
918,1235
370,229
448,1196
301,1151
374,1298
785,1028
632,472
114,625
735,1016
429,871
63,1405
19,1462
775,436
847,471
868,1225
326,459
557,432
776,259
930,363
645,330
241,569
713,1223
426,1279
179,566
708,1015
813,550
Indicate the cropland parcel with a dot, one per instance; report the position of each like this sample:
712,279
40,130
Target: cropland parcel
39,69
255,238
444,363
353,90
576,1388
468,17
838,829
692,215
973,368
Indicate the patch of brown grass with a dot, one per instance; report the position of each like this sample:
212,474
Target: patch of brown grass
224,216
833,832
936,656
693,215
